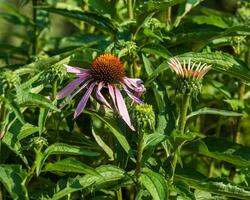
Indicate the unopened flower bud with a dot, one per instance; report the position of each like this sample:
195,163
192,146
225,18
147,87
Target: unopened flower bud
9,80
144,117
55,72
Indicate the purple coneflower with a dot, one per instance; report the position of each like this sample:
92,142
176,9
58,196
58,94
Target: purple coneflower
189,69
106,71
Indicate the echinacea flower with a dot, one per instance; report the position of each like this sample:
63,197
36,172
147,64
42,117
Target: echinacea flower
189,74
108,72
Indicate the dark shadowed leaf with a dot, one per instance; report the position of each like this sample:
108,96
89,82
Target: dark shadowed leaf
12,177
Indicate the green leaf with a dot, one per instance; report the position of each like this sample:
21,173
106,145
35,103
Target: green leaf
216,187
236,104
47,62
12,177
214,111
153,139
156,5
31,99
11,14
155,184
11,141
184,9
183,190
162,67
59,149
15,108
156,49
99,21
70,165
111,176
103,145
221,62
27,130
119,136
222,149
42,119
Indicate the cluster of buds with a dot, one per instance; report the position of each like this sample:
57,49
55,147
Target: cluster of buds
144,117
9,80
55,72
128,48
154,24
189,74
243,12
38,142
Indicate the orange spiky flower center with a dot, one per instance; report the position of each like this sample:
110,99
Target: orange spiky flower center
107,68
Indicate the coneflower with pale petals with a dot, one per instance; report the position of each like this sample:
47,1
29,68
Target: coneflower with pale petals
189,74
108,72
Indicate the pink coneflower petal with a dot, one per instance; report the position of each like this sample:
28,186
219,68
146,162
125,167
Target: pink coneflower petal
112,94
70,88
122,109
84,100
100,96
135,82
75,70
136,99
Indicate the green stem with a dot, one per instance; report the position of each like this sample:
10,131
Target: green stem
173,165
33,167
54,90
34,16
119,194
130,9
139,159
3,114
183,112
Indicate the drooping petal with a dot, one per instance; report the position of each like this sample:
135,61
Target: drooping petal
134,84
67,90
134,81
81,88
75,70
100,96
138,89
112,94
84,101
122,109
75,93
133,97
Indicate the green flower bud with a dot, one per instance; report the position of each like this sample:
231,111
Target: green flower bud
9,80
39,142
154,24
55,72
144,117
189,86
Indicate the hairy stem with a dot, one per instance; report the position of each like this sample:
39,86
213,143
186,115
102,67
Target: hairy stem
139,159
130,9
119,194
183,112
54,90
34,17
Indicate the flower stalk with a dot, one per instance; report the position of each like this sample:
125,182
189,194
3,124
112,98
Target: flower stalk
130,9
139,159
183,112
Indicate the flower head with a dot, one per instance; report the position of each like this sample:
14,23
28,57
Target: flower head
189,74
108,72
